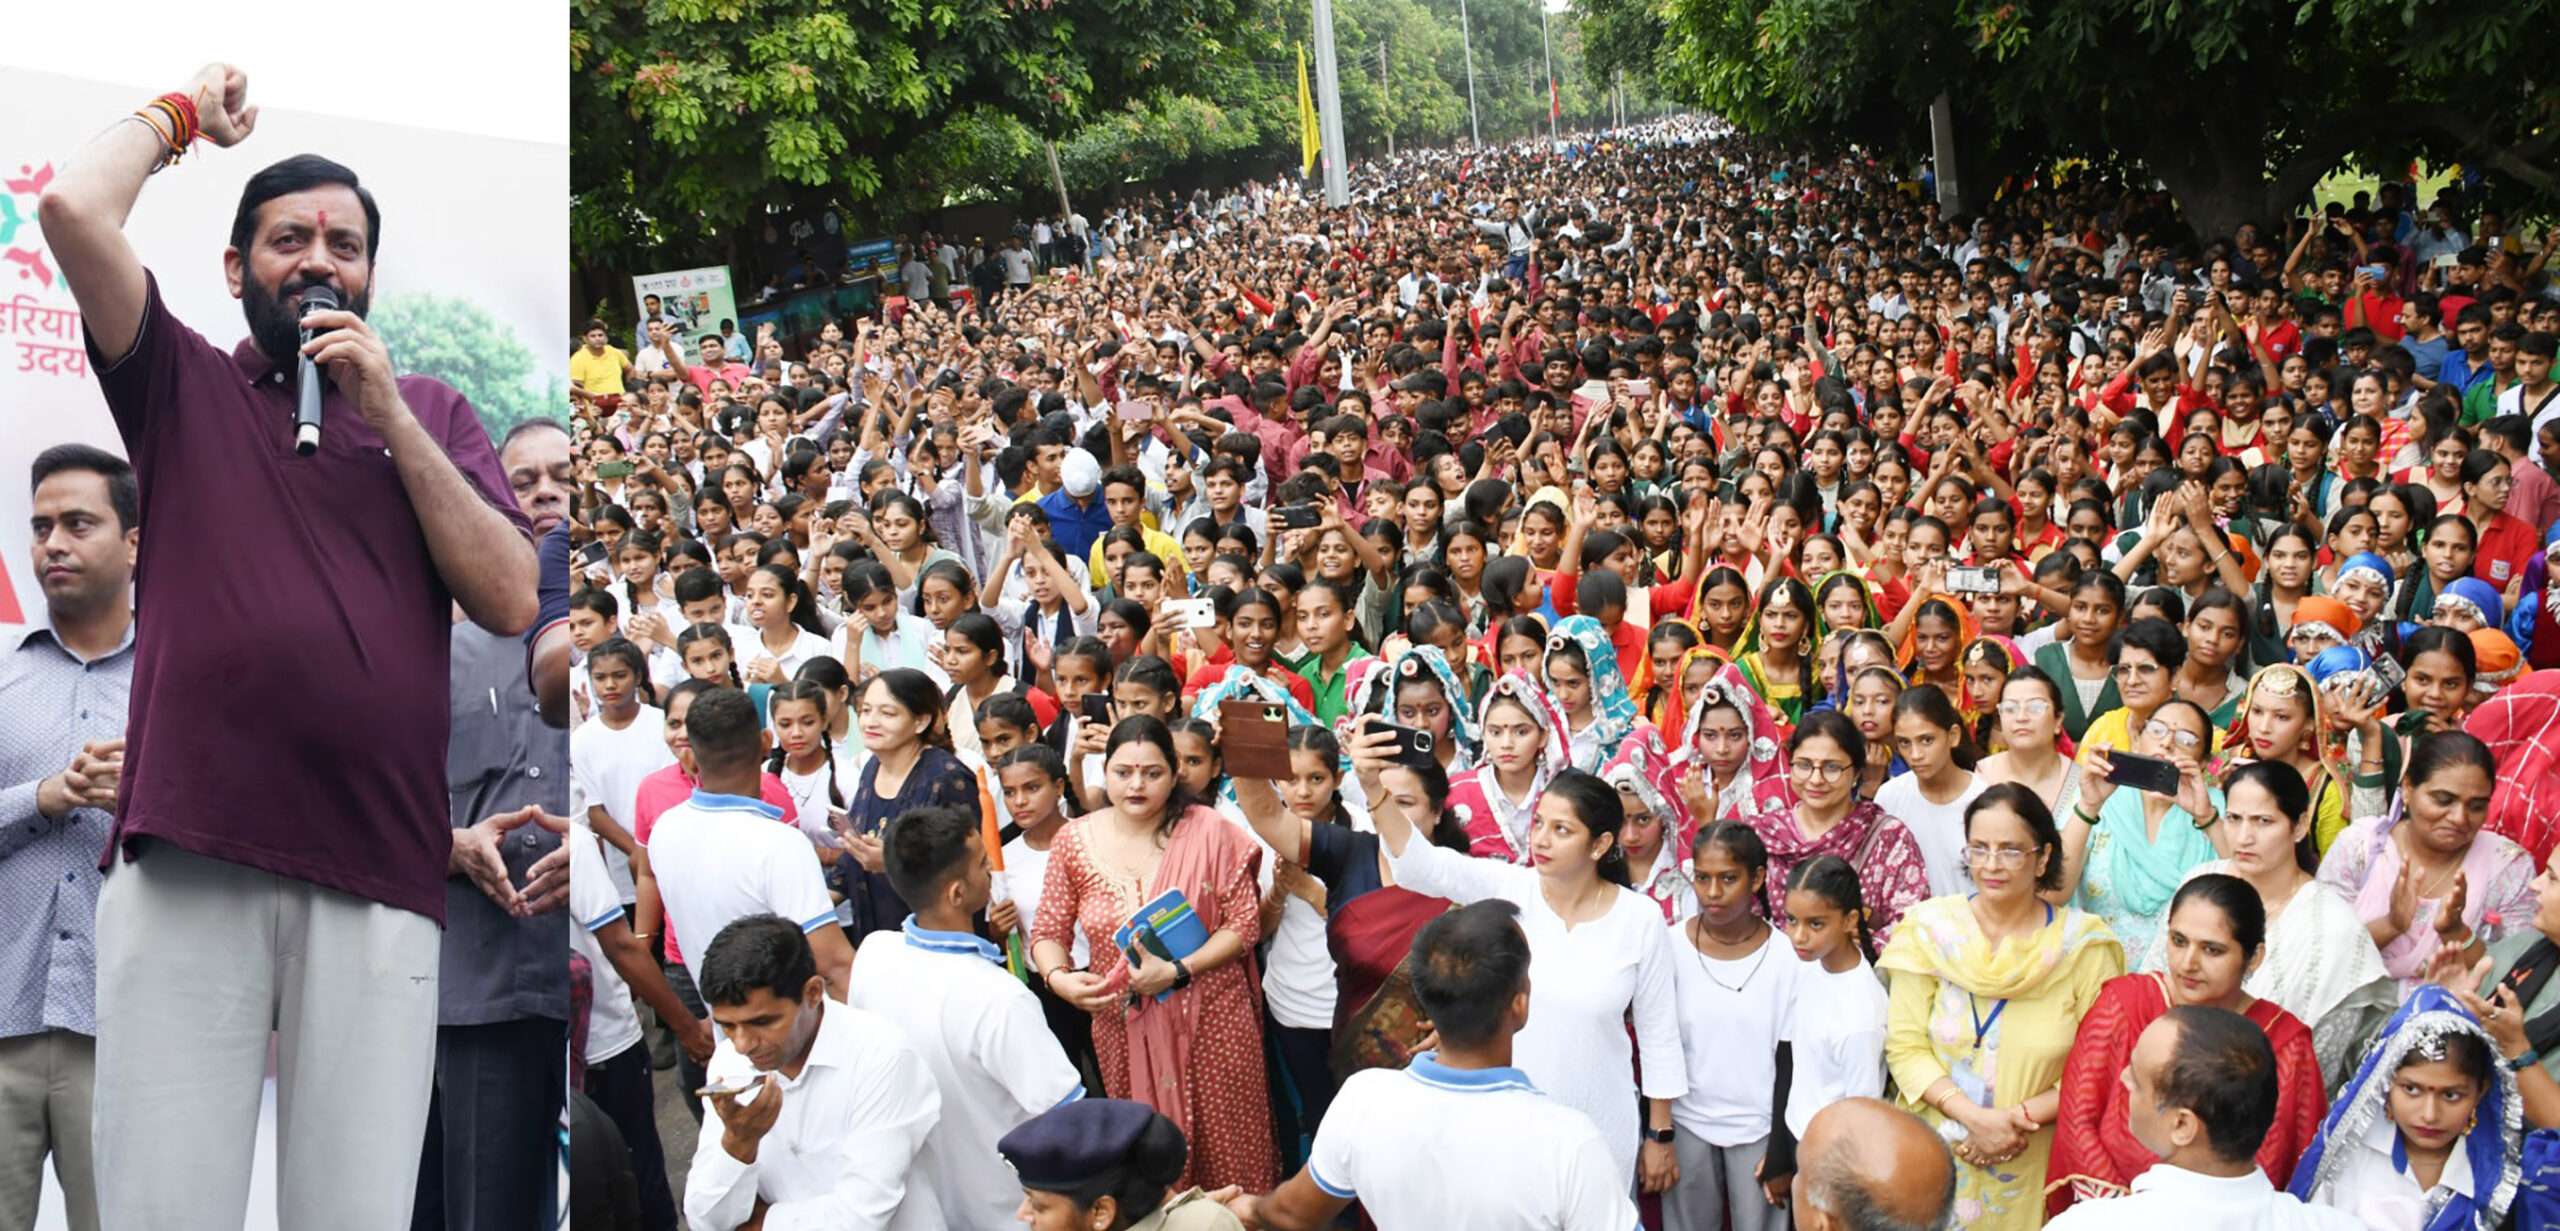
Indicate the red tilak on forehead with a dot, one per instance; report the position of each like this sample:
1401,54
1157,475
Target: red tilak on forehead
324,222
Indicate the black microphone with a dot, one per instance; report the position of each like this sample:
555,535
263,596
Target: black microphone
306,414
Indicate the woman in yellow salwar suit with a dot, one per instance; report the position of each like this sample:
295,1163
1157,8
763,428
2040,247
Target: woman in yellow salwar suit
1988,990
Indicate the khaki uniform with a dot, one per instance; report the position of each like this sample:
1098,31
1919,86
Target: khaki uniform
1189,1211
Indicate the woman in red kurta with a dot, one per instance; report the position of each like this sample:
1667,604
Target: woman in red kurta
2216,931
1194,1055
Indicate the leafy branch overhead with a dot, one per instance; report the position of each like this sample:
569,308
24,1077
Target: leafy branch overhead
690,116
2237,105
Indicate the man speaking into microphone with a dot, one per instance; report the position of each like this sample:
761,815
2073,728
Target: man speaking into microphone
282,836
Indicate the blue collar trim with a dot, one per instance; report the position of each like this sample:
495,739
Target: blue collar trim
1427,1069
949,942
713,801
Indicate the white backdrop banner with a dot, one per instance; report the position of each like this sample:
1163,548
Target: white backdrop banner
469,285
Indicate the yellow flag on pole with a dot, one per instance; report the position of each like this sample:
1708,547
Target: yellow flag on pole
1309,143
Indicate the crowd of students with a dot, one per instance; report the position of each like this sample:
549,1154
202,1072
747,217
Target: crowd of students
1876,653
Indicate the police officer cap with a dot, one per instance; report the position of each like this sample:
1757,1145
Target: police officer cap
1070,1149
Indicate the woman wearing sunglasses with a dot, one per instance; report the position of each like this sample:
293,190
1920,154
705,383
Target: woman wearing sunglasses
2126,851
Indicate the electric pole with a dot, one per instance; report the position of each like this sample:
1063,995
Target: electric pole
1337,180
1555,105
1386,102
1466,39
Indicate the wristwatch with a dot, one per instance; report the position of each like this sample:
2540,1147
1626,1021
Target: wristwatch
1181,975
2524,1060
1659,1136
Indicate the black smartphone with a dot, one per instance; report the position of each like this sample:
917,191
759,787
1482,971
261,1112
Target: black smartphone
2143,773
1414,746
591,555
1298,517
1096,707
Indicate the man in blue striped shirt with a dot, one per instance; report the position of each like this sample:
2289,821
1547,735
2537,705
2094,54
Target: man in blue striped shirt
63,691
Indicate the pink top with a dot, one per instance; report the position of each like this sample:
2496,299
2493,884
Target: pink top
671,786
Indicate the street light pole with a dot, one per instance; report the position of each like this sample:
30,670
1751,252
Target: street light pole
1466,39
1547,53
1337,180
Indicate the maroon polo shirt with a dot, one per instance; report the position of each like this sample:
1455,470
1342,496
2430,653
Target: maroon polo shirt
289,695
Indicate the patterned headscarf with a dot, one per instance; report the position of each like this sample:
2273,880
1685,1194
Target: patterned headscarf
1555,754
2285,680
1907,654
2322,613
2418,1032
2370,563
2341,666
1373,691
1763,776
1646,765
2481,597
1612,707
1672,715
1984,647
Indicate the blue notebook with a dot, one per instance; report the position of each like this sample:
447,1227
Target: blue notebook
1167,926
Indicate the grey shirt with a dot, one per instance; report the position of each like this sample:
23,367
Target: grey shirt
51,703
501,758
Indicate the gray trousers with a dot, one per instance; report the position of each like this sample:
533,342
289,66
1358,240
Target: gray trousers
45,1081
199,962
1717,1180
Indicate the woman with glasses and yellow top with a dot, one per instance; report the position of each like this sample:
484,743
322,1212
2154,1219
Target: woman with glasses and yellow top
2148,653
2125,852
1988,990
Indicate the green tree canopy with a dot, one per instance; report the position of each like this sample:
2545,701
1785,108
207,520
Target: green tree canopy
2238,106
457,343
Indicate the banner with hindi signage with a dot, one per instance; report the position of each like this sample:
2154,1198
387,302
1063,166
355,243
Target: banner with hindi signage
467,286
697,300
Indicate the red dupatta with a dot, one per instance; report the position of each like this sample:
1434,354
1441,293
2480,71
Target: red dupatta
2095,1155
1202,853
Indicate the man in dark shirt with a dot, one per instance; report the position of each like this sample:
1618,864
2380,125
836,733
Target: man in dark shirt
282,834
491,1159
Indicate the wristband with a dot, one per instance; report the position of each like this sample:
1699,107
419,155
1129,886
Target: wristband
2524,1060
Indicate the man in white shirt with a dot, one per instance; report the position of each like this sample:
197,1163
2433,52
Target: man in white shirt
618,1073
822,1109
718,856
978,1029
1867,1165
1390,1136
2203,1094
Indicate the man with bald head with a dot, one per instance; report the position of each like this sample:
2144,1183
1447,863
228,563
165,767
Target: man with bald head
2202,1083
1867,1165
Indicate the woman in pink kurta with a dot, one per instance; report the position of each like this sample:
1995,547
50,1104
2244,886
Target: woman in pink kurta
1196,1054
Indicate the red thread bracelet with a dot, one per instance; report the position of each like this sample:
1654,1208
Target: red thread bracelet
186,105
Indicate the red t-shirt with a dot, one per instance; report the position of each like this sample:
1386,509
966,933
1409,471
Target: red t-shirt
2507,544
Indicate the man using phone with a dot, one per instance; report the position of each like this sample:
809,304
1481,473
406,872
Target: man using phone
862,1103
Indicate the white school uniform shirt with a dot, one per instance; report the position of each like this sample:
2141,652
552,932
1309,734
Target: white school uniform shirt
606,767
1297,973
1587,977
1731,1012
2371,1187
1432,1146
1834,1029
1937,828
842,1152
903,647
720,858
981,1035
804,646
612,1024
1026,873
2167,1196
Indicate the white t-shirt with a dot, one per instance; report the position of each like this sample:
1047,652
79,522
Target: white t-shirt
1938,828
606,767
1298,974
720,858
1730,1015
612,1025
805,646
1431,1146
982,1035
1026,871
810,802
1835,1031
